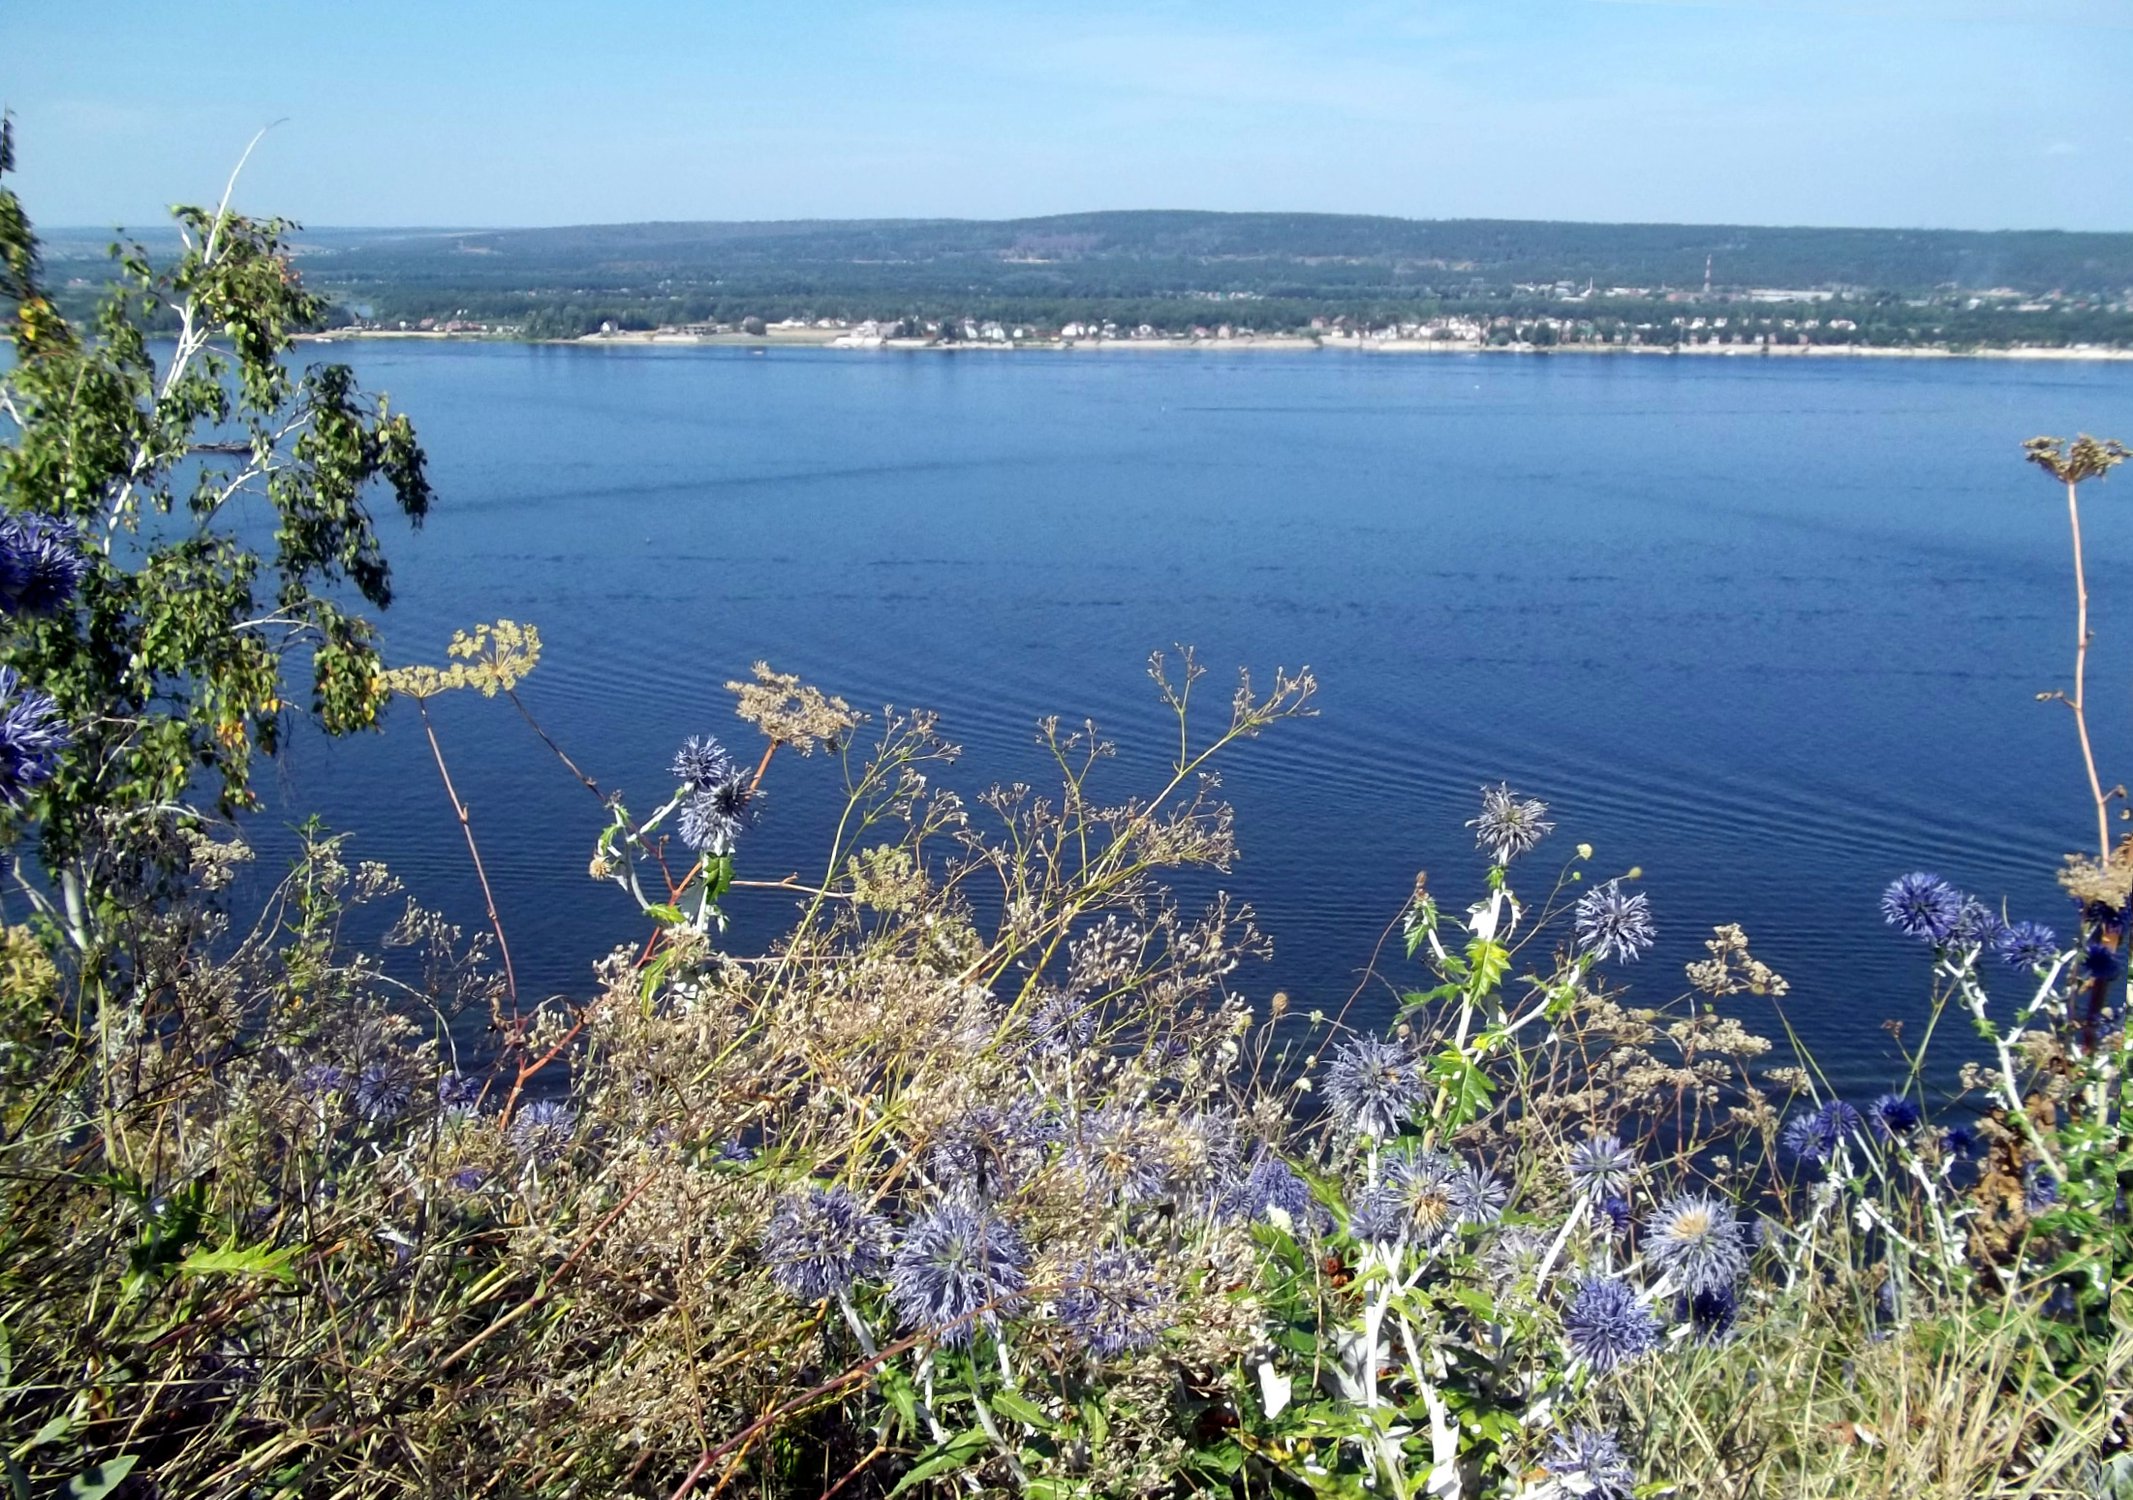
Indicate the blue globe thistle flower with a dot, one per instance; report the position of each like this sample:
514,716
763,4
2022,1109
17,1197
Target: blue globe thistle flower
1922,906
1113,1304
1207,1149
1425,1184
1977,925
1606,1326
732,1153
458,1091
543,1130
383,1091
1509,826
1710,1314
469,1179
1617,1214
2040,1190
1957,1141
1601,1167
1697,1237
32,735
986,1154
2102,962
954,1265
1060,1025
1894,1116
1120,1156
41,564
702,763
1813,1135
1377,1216
1374,1086
321,1080
2027,945
1589,1463
819,1241
1614,923
1478,1194
714,817
1270,1188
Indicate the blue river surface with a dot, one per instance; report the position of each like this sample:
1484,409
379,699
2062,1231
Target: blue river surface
1770,630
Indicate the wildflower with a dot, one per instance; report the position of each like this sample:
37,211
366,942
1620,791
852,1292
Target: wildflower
1617,1211
713,817
986,1154
41,564
821,1240
320,1080
2040,1190
2102,962
1061,1026
1507,826
1514,1252
1957,1141
1894,1116
458,1091
731,1153
1813,1135
1710,1314
703,763
1120,1157
1205,1149
2026,945
1421,1193
953,1265
469,1179
31,737
543,1130
382,1091
1114,1304
1478,1195
1378,1217
1922,906
1601,1167
1374,1086
1977,925
1590,1463
1270,1188
1613,923
1697,1238
1606,1325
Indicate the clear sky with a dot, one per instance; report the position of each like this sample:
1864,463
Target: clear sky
1979,114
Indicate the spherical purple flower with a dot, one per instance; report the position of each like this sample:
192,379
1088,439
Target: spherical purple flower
469,1179
1374,1086
2027,945
1478,1194
1113,1304
1120,1156
702,763
32,736
1377,1216
1922,906
41,564
1606,1326
1589,1463
1061,1026
821,1240
543,1130
1614,923
1616,1211
321,1080
1601,1167
732,1153
1426,1186
1894,1116
1813,1135
1270,1187
1977,925
2102,962
1710,1314
383,1091
1957,1141
954,1265
987,1154
712,818
2040,1190
458,1091
1509,826
1697,1238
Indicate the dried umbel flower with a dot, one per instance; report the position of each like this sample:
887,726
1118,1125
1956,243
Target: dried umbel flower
1696,1237
1374,1086
32,735
2026,945
955,1265
789,712
1589,1463
1731,968
543,1130
1922,906
1114,1303
1614,923
2083,459
41,564
820,1241
1509,826
1606,1326
1601,1167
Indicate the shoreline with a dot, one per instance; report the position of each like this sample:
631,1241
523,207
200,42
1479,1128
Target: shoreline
841,340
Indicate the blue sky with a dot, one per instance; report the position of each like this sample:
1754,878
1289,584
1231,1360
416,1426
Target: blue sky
1953,113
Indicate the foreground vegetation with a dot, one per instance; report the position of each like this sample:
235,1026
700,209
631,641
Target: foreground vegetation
984,1177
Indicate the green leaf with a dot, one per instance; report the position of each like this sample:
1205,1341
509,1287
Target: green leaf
660,911
1022,1409
1094,1422
241,1260
942,1458
1466,1087
101,1480
1491,961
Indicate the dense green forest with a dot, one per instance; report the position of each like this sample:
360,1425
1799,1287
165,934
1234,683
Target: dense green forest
1175,271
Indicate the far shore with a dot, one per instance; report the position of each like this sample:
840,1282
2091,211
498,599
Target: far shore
832,338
